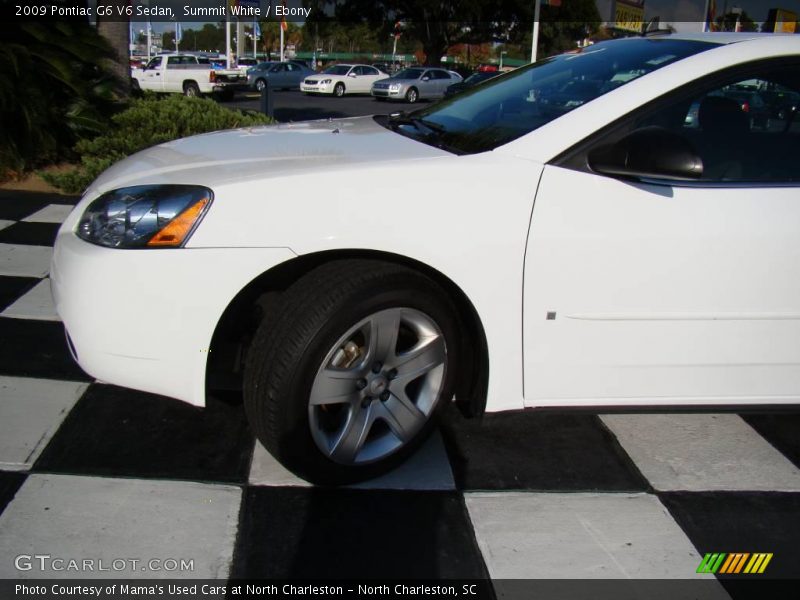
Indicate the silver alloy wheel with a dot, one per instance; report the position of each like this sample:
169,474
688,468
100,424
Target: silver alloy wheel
377,386
411,95
260,85
338,90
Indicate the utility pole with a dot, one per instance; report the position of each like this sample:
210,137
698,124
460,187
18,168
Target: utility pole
537,11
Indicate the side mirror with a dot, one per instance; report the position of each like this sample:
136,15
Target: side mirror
351,74
649,152
426,79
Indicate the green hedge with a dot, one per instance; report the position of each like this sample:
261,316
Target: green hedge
148,121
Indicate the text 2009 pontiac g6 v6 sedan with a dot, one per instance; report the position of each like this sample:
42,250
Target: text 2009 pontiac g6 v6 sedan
354,275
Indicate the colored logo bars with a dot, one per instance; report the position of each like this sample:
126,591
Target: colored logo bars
734,563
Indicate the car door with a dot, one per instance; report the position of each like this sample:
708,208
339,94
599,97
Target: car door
152,76
294,75
442,80
278,76
650,290
368,76
427,84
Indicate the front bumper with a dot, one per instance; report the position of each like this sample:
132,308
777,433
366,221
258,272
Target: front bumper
144,319
385,93
320,88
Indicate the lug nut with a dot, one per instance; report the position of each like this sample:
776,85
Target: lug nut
361,384
385,395
392,374
376,368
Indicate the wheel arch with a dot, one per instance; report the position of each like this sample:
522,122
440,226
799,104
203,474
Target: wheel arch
244,312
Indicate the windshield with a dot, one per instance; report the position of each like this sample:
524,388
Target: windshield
408,74
337,70
503,109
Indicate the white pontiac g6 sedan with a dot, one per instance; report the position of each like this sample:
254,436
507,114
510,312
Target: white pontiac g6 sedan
626,258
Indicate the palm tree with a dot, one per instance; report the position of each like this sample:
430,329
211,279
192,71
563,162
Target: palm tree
117,31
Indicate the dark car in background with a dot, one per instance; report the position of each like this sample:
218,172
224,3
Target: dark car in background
753,104
471,81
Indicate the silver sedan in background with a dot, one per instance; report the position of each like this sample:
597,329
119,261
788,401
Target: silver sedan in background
280,75
414,84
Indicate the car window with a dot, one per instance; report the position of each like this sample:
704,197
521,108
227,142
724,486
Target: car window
360,70
742,129
503,109
441,75
277,69
370,71
154,63
337,70
408,74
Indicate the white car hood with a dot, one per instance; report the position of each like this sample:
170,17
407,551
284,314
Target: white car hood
239,155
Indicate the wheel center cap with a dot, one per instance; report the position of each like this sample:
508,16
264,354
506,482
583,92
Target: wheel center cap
378,385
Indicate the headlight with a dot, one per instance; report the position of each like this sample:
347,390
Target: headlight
145,216
395,87
326,81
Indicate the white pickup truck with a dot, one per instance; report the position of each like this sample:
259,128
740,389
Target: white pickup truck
186,74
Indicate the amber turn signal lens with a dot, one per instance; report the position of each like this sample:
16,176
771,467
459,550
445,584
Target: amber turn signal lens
176,230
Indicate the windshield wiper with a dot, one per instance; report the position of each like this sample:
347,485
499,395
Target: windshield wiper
419,123
431,131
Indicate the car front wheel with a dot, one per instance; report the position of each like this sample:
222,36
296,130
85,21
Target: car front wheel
344,379
338,90
260,85
412,95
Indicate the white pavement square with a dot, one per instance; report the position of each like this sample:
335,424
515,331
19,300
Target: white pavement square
31,410
37,304
702,452
53,213
579,536
427,469
4,223
25,261
114,522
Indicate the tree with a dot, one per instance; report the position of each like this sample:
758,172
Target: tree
116,30
438,25
727,22
59,68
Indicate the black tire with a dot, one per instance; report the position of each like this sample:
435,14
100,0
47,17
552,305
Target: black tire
260,84
191,89
290,348
136,89
412,95
338,90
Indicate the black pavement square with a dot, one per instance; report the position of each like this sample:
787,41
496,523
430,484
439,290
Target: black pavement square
742,522
533,450
9,485
31,348
12,288
780,430
16,205
339,533
32,234
125,433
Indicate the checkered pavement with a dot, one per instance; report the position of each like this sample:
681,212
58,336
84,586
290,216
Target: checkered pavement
93,470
